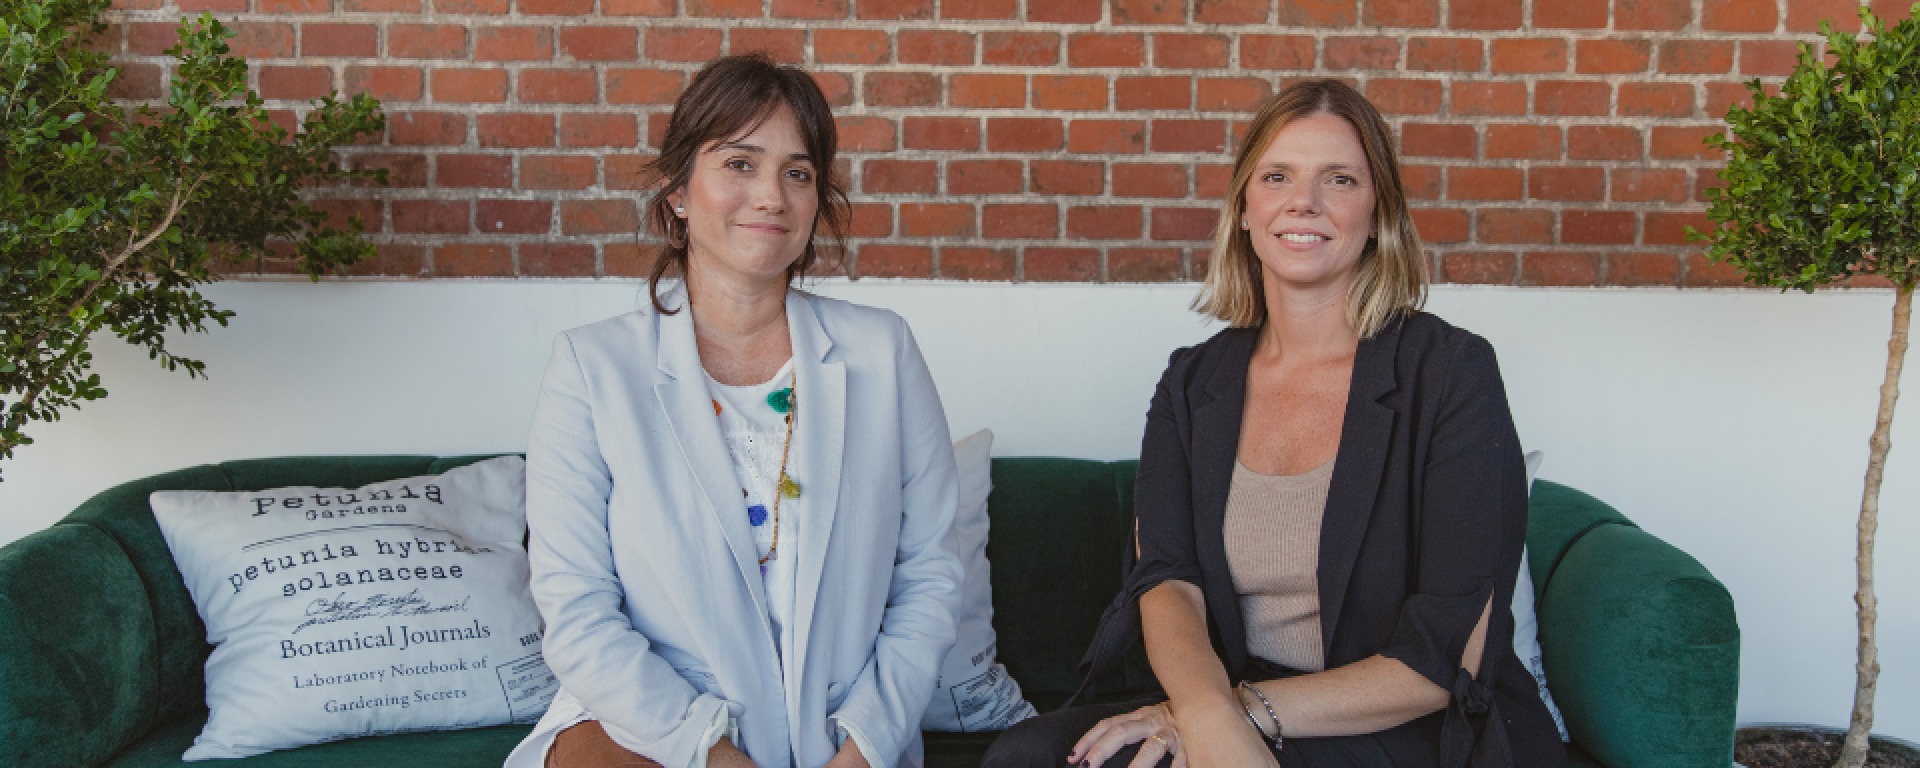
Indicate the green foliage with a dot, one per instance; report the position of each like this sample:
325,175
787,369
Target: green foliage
111,219
1823,181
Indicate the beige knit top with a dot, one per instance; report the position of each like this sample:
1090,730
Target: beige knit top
1273,550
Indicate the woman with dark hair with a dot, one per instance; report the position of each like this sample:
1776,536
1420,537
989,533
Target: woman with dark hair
1331,499
740,499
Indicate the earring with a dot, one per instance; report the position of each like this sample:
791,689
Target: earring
679,211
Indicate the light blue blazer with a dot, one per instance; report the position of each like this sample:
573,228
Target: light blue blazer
645,568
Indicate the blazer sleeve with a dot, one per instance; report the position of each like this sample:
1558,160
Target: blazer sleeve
590,645
1472,519
1163,490
886,700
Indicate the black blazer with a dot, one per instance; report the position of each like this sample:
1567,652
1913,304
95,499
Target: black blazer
1425,519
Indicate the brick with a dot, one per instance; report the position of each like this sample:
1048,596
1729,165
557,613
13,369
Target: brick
1570,14
1106,50
1529,56
1020,220
1768,57
1649,185
1596,227
1440,225
1739,15
1652,14
1362,52
851,46
984,177
1671,228
513,44
1705,179
1724,96
936,220
784,46
1635,269
1132,93
1479,267
403,171
1144,265
657,124
558,172
295,82
962,133
426,41
426,128
490,171
1070,92
723,9
1445,54
692,45
1068,177
1148,11
1316,14
1404,97
803,9
893,10
1066,11
599,217
979,9
260,41
902,89
600,43
1191,51
1575,184
1696,57
516,130
1514,226
513,217
1011,48
430,217
152,38
1231,11
1656,100
1603,142
1470,183
1433,140
469,86
1237,94
599,130
555,7
878,260
938,47
988,91
865,134
1184,223
1149,180
976,264
838,88
1024,134
623,171
871,220
1551,268
627,259
1077,265
899,177
1485,14
538,260
1403,13
1472,99
1528,141
1107,137
339,40
473,260
394,261
1569,98
1703,272
1291,52
563,86
654,8
378,6
643,86
1189,136
340,212
1612,56
1892,11
1419,182
1104,222
473,7
196,6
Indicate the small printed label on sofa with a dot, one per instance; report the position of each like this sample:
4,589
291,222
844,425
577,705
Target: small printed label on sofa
529,685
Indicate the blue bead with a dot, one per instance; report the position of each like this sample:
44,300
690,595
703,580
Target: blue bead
757,514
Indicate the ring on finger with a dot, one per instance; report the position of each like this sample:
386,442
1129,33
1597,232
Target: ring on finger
1163,743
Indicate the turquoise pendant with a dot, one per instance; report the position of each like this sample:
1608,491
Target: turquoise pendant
781,399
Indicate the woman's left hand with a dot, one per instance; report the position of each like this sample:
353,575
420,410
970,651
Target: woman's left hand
849,757
1151,727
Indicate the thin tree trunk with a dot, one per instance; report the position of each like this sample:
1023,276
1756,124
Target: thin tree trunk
1853,754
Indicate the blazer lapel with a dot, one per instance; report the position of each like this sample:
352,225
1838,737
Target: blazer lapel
1216,445
688,404
1365,435
819,442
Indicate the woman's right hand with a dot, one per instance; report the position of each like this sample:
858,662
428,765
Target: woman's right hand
1151,724
1224,739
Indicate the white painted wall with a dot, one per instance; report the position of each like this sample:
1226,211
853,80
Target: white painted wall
1732,424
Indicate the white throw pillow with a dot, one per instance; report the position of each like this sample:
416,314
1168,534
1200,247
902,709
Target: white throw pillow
974,692
336,613
1526,628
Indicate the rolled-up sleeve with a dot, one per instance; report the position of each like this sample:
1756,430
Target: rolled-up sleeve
591,646
1163,500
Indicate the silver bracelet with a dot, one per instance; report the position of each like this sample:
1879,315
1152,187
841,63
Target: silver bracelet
1248,711
1278,734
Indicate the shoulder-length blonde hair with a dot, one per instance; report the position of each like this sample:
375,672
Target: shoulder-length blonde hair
1391,278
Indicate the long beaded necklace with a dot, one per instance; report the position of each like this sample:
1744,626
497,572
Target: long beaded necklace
785,401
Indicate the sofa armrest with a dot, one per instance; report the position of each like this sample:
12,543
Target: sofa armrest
1642,651
78,654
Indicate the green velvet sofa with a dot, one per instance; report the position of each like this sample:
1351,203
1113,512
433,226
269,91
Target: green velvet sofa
101,649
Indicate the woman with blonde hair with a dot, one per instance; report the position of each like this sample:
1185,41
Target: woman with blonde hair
1331,498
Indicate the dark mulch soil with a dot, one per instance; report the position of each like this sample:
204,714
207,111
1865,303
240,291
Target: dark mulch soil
1787,748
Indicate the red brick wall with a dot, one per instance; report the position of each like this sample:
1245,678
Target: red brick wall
1549,143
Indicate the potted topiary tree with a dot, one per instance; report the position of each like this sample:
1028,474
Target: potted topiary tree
110,218
1823,184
